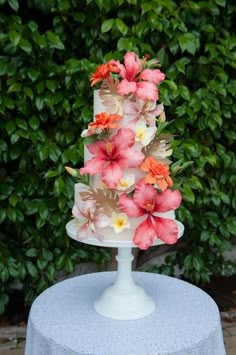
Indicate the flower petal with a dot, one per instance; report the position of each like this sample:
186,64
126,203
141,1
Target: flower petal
130,108
125,87
166,229
101,221
92,166
124,139
147,91
144,234
112,174
157,110
144,193
128,206
130,158
97,148
133,65
168,200
77,213
82,232
154,76
120,67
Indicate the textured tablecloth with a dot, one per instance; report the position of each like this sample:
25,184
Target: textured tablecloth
63,321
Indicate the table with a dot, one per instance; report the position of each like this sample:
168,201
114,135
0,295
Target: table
62,320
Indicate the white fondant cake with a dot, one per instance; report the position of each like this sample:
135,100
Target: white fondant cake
129,196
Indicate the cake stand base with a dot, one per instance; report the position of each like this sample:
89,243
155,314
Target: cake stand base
124,300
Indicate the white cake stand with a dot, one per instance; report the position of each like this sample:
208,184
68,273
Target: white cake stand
124,300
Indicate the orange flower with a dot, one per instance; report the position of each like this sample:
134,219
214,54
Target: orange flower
103,72
104,120
156,173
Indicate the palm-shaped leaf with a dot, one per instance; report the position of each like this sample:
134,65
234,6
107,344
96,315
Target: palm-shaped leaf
159,148
110,99
107,201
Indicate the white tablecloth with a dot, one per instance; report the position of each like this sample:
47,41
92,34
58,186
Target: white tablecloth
63,321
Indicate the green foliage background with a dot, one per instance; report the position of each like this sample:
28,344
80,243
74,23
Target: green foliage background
48,50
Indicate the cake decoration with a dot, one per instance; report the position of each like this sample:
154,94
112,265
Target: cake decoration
125,189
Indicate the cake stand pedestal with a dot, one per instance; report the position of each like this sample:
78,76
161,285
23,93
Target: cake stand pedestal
123,300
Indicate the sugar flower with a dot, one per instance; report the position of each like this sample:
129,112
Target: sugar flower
87,220
111,155
104,120
103,72
156,173
146,201
135,80
143,110
119,222
125,182
143,133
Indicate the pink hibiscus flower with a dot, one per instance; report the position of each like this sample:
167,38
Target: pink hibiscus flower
142,83
88,220
111,156
146,201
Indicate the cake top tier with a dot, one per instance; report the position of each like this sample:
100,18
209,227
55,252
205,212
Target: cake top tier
130,185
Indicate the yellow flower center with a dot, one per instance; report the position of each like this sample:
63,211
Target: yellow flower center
124,183
140,134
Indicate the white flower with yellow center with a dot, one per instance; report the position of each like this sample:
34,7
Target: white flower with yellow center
125,182
119,222
143,133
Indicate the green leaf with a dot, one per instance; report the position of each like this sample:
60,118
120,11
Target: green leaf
60,261
47,255
11,214
25,45
2,215
184,92
21,123
107,25
28,92
58,186
31,269
51,85
43,211
51,272
4,299
32,252
188,194
55,40
41,263
125,44
14,4
10,127
33,74
34,122
14,37
51,174
188,42
54,152
221,2
14,88
121,26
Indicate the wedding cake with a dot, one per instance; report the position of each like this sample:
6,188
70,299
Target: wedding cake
125,190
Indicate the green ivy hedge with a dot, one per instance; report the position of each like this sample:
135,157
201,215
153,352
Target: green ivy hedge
48,50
